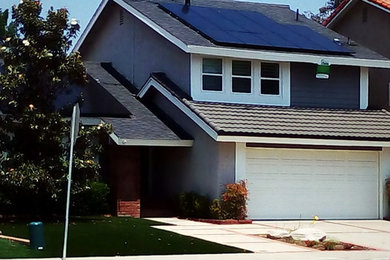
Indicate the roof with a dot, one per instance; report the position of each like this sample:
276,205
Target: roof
191,41
381,3
292,122
279,13
233,119
141,124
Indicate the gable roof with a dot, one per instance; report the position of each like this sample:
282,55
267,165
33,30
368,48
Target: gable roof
190,41
382,4
234,122
141,127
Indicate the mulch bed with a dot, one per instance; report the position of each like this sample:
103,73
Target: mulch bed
322,245
223,221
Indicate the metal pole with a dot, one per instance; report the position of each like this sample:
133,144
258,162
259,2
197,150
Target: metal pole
72,138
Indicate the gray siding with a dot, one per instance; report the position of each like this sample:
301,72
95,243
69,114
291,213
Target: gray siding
205,168
374,34
134,49
341,90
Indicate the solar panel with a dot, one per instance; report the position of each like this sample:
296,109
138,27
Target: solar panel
248,28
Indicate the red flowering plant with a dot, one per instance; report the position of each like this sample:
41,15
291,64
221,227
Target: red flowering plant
233,203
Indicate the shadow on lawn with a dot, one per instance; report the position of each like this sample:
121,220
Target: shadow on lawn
106,236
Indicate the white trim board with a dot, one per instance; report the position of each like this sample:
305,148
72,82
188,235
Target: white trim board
233,52
302,141
363,88
174,100
140,142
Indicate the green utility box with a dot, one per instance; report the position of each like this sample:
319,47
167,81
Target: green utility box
36,235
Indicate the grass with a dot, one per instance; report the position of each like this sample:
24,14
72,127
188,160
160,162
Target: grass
106,237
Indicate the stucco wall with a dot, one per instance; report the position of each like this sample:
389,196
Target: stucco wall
341,90
134,49
205,168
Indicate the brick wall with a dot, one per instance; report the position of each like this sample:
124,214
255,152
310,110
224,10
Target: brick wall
125,175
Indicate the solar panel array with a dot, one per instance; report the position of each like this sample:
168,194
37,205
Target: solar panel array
249,28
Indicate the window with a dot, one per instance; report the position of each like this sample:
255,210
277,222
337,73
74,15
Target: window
239,80
241,76
269,79
212,74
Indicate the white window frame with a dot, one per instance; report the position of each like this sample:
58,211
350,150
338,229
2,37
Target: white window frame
213,74
279,79
228,96
242,77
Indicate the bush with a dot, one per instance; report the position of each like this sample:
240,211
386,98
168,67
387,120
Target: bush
234,201
216,211
92,201
193,205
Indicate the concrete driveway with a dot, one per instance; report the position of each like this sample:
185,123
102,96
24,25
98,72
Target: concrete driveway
370,233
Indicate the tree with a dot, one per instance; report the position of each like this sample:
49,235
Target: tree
34,136
325,11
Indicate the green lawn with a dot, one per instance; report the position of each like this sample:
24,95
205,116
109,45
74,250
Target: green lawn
106,237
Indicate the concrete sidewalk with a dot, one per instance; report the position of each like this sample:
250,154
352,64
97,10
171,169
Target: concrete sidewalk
374,234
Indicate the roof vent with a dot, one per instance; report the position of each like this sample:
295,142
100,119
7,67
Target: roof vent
297,16
186,6
187,2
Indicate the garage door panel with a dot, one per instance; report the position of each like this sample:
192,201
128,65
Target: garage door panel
298,184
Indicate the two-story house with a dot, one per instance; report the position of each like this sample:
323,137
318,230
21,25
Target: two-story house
368,23
221,91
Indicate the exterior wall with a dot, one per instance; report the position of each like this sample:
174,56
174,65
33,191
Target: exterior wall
341,90
374,34
134,49
125,173
385,174
205,168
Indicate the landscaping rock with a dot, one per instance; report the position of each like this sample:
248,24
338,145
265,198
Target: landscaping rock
311,234
279,234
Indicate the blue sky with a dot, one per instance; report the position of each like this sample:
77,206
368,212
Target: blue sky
83,10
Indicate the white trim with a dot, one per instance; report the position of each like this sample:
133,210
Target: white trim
140,142
302,141
91,23
286,56
174,100
240,166
363,88
227,94
384,174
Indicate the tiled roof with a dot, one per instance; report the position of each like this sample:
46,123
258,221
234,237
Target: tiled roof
382,3
279,13
272,121
142,123
255,120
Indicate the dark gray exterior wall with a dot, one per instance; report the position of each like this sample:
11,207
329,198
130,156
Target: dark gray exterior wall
204,168
374,34
134,49
341,90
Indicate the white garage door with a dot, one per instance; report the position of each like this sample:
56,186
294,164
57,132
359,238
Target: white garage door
299,184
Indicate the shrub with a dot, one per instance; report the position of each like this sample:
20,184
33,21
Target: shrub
216,211
193,205
234,201
92,201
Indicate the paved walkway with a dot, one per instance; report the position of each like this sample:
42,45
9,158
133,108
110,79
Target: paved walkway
374,234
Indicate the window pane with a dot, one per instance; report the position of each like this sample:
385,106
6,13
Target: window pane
269,70
212,66
270,87
241,68
241,85
213,83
